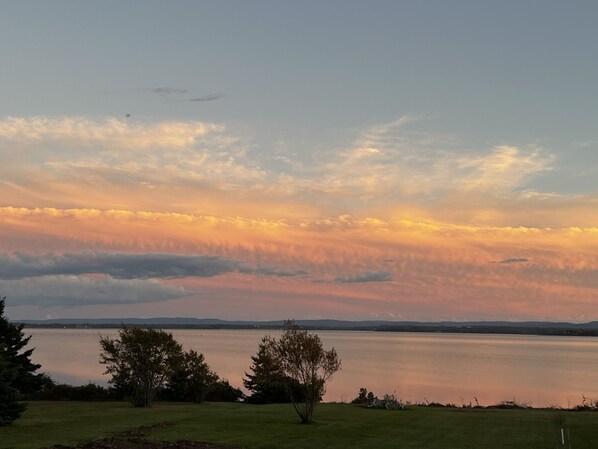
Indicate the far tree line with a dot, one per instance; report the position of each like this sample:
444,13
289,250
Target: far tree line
146,364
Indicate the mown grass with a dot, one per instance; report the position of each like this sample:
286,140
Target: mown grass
276,426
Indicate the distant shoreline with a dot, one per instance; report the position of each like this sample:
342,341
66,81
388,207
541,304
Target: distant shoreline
531,328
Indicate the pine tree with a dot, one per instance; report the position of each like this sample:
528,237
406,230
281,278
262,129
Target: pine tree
17,373
192,380
10,409
267,384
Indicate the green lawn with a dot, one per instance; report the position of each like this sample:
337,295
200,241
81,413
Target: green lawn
276,426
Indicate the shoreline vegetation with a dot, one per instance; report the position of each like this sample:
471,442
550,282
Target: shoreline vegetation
589,329
97,393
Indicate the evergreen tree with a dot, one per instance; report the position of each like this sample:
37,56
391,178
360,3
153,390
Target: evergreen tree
193,379
267,383
17,373
10,409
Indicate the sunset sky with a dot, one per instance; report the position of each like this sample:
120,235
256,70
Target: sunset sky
400,160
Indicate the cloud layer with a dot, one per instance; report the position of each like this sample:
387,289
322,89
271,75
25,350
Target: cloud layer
389,220
345,265
199,167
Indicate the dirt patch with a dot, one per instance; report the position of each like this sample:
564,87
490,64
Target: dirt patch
134,439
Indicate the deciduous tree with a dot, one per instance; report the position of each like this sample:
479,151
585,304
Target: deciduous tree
143,359
304,360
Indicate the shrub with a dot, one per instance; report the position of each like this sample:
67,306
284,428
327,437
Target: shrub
63,392
223,391
514,404
389,402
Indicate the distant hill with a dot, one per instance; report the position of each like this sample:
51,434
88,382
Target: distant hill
485,327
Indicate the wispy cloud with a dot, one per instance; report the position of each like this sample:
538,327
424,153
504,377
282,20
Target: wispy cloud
165,91
208,97
77,158
184,165
394,162
109,133
503,169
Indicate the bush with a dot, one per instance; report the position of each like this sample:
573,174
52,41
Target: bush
64,392
223,391
514,404
389,402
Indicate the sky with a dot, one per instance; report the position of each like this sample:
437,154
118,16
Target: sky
396,160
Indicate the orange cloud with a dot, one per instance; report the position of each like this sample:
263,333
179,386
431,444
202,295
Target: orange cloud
431,269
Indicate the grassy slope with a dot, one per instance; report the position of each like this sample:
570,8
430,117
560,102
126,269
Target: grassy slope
276,426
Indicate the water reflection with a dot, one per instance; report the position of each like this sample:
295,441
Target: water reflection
435,367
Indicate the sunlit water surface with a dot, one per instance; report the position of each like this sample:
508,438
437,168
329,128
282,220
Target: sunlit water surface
456,368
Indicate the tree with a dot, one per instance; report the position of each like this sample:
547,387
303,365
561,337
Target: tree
192,380
13,342
10,408
17,372
267,383
142,359
364,397
304,360
200,378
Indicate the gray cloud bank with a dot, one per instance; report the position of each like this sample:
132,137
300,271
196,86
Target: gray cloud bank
514,260
370,276
48,291
89,278
126,266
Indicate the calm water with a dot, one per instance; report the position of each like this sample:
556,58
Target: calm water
438,367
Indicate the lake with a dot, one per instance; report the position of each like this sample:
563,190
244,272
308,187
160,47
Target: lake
456,368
